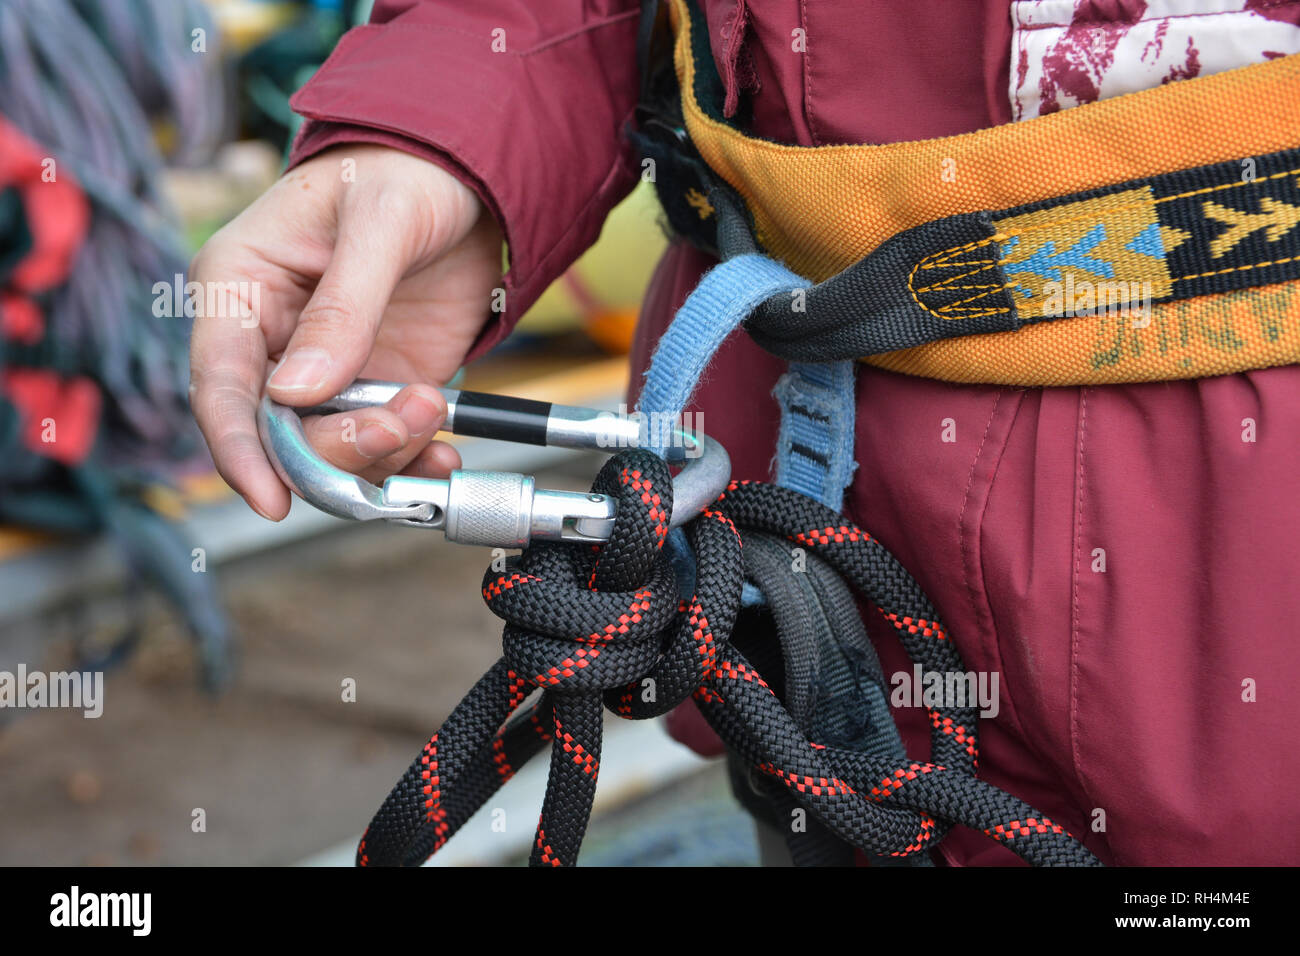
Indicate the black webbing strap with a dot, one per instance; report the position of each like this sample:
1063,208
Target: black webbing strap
828,677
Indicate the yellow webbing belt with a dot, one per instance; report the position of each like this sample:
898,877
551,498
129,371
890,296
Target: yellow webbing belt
820,209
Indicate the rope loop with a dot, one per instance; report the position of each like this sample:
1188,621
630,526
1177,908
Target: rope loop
607,627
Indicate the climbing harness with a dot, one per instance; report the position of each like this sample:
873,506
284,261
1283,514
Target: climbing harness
622,625
1015,255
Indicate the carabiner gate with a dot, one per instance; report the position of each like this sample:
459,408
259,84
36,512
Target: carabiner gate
489,508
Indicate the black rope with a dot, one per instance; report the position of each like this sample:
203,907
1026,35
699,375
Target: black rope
605,627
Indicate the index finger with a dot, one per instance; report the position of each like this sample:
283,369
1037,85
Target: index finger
228,366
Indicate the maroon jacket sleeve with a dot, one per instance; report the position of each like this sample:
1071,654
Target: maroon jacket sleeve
523,101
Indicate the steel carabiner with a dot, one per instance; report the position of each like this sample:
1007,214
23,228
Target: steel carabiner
490,508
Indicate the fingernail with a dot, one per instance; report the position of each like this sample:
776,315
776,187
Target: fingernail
421,414
427,467
302,369
437,461
255,507
376,440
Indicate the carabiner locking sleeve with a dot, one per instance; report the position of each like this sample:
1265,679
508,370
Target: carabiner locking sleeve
490,508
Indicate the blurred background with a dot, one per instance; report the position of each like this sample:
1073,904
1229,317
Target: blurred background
130,130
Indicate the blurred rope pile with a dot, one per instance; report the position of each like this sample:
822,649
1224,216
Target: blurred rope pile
94,86
279,63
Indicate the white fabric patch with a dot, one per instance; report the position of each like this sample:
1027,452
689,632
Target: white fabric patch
1067,52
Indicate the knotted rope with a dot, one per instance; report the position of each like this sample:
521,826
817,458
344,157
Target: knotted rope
597,627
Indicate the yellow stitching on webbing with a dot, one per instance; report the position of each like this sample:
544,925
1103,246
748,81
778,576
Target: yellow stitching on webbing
964,262
945,264
936,260
1189,338
943,258
976,314
945,283
1138,204
1253,265
952,306
911,288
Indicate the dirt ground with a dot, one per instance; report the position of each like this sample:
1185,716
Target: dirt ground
280,765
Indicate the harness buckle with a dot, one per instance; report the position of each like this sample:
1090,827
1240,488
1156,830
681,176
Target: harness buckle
487,508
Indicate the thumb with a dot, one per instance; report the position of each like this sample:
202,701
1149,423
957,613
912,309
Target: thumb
337,328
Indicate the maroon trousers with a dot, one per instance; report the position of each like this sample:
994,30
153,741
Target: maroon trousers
1123,557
